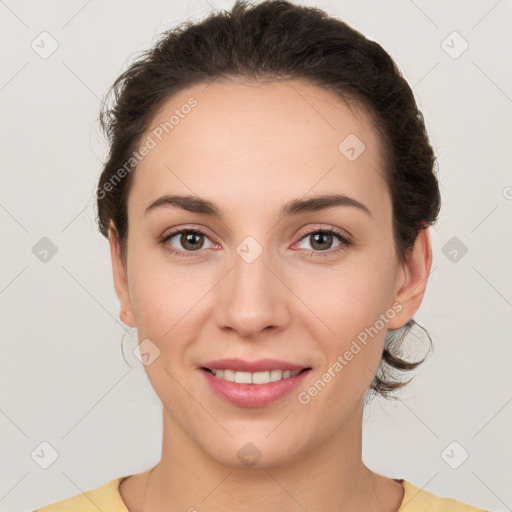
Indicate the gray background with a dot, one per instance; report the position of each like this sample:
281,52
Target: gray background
63,379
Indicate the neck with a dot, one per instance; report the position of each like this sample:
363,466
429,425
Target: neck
330,476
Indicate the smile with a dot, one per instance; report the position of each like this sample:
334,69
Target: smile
253,389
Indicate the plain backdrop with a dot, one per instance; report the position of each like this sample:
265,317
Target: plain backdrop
65,389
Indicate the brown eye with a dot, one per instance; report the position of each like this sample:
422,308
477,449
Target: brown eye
321,242
184,242
191,241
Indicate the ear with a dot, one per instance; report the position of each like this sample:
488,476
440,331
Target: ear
412,282
120,278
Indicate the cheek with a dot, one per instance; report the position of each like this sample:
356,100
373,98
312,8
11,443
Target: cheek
168,299
344,317
165,310
346,324
351,298
152,294
161,301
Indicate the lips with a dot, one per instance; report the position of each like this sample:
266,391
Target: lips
253,395
229,379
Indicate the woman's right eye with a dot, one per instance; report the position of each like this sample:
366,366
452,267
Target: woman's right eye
184,242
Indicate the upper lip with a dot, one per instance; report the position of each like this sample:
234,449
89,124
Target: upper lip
260,365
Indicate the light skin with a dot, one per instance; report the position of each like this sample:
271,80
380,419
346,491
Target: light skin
250,148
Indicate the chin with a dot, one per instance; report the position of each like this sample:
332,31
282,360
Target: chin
258,453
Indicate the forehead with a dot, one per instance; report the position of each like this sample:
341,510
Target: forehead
259,142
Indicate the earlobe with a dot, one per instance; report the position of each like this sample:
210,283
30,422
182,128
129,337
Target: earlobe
120,278
416,271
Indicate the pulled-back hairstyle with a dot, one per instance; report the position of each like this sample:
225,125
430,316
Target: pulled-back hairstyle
276,40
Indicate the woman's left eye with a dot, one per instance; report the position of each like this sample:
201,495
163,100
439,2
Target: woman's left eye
321,241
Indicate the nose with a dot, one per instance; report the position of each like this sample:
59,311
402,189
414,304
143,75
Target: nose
252,298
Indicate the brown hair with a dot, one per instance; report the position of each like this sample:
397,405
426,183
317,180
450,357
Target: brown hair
277,40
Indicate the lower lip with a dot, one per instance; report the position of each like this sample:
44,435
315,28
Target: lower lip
254,395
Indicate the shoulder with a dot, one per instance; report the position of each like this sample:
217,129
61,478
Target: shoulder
417,499
105,498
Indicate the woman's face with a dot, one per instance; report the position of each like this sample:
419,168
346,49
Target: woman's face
249,283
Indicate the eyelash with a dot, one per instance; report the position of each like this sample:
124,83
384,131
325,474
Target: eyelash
344,242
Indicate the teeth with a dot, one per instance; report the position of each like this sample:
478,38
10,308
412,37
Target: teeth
254,378
243,377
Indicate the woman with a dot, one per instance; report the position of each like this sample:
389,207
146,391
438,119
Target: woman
267,199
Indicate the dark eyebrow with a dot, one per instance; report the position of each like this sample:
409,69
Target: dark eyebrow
189,203
294,207
317,203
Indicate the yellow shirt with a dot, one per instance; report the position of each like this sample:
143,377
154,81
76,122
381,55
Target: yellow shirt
107,499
